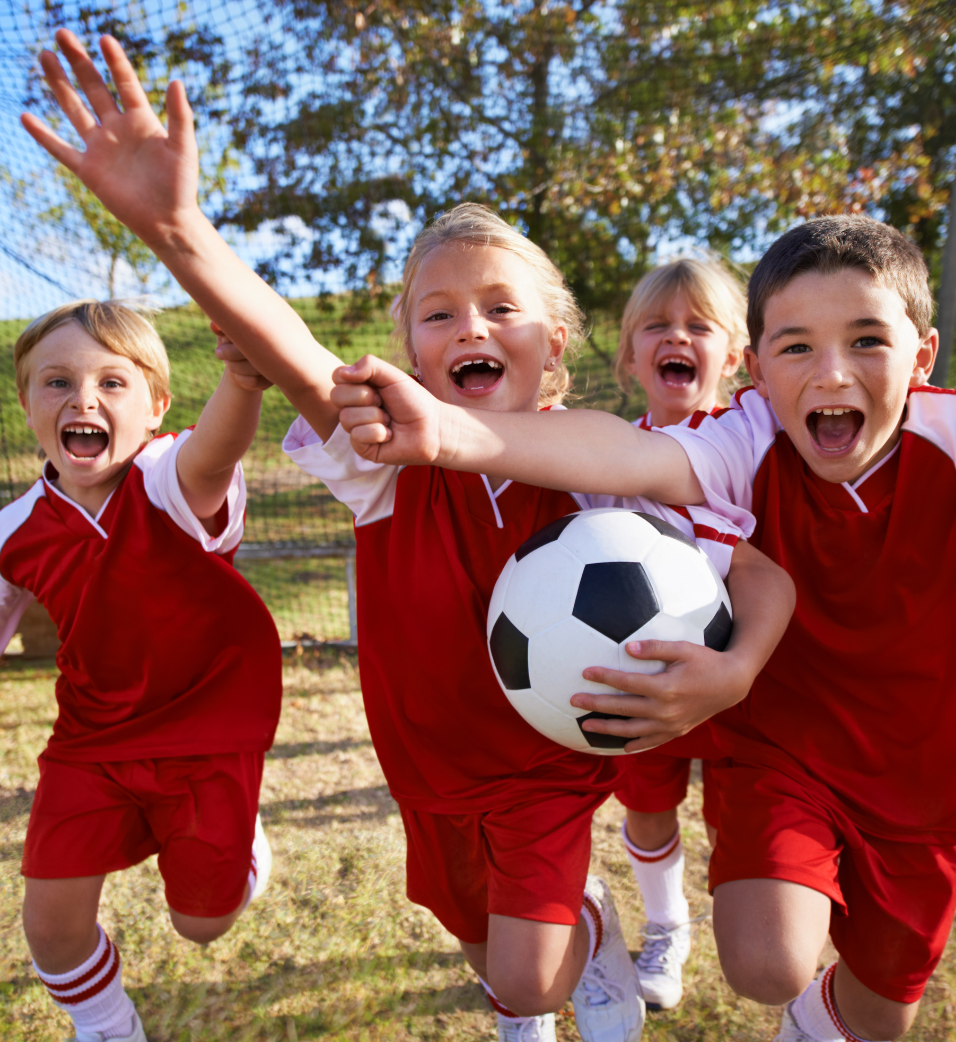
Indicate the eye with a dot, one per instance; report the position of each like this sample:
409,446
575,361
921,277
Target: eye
651,326
796,349
58,382
700,327
436,316
503,309
111,382
869,341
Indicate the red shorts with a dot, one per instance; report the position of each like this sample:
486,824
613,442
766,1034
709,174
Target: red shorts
657,780
197,812
528,861
892,902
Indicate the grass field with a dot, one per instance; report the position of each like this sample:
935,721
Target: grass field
332,950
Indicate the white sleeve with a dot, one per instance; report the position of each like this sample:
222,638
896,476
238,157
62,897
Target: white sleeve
713,534
14,601
726,452
366,488
158,463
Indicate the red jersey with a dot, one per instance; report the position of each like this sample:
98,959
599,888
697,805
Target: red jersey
860,695
166,650
430,545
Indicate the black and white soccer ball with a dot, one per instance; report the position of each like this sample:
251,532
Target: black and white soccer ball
576,592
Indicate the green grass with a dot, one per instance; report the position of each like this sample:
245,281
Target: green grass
332,950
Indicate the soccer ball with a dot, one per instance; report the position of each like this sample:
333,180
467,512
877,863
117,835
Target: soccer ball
576,592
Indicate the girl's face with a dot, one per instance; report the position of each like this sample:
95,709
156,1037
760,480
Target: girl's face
679,357
479,333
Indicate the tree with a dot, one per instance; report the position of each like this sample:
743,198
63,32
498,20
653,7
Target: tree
600,126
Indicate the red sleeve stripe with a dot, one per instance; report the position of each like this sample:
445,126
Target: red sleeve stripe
705,532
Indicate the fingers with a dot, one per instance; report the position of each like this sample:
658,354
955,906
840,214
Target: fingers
56,146
226,351
369,369
66,96
89,79
664,650
618,705
124,75
351,395
179,115
365,416
632,683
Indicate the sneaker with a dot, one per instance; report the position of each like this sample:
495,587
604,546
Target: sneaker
261,860
607,1003
526,1029
790,1029
658,965
138,1035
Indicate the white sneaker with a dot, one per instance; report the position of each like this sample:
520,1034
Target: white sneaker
658,965
790,1029
526,1029
607,1003
138,1035
262,860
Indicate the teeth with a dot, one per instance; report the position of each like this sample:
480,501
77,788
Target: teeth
477,361
680,361
833,412
76,429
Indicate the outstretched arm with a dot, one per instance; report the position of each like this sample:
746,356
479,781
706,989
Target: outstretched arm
698,682
147,176
223,433
392,419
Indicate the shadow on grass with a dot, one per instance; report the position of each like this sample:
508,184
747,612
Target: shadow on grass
15,804
373,803
291,750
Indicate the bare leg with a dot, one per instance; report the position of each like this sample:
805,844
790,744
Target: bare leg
201,929
651,831
59,920
867,1014
769,937
532,967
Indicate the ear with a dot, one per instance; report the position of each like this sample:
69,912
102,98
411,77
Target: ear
25,402
158,411
925,359
557,345
732,362
752,362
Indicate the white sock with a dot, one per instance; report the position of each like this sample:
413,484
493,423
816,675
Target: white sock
816,1013
660,878
93,993
260,865
591,914
500,1008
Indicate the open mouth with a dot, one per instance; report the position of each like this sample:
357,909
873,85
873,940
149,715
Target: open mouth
82,442
835,430
477,374
676,371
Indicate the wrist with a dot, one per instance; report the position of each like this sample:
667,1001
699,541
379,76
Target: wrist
743,668
178,232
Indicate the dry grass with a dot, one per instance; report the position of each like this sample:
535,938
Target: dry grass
333,949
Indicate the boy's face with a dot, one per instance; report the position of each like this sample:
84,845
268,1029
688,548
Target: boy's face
90,409
479,334
836,357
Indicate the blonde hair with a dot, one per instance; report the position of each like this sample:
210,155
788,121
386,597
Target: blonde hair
476,225
121,326
709,287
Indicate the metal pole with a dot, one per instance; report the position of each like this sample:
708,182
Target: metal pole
946,299
353,614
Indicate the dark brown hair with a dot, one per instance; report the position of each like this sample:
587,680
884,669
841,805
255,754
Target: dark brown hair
830,244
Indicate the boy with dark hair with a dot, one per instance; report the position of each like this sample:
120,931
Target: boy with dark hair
840,461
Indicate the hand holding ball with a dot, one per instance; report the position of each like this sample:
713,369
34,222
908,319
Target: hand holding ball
580,589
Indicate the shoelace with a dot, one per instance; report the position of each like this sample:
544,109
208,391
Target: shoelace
659,954
600,989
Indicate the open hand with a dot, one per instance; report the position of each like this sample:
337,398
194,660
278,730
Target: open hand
697,683
389,416
144,174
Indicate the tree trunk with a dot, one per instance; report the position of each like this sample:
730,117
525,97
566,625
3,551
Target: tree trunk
946,299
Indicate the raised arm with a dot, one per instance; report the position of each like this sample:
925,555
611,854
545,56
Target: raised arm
392,419
147,176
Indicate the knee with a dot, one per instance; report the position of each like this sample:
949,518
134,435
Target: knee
772,980
526,993
200,931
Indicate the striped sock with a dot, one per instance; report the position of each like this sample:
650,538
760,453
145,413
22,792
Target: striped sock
816,1013
93,993
660,878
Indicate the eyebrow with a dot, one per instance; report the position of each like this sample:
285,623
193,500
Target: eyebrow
493,287
857,323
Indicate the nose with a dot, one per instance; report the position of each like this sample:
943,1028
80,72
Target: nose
677,335
831,371
472,326
84,398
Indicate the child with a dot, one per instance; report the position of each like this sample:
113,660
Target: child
682,338
170,684
497,817
844,808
